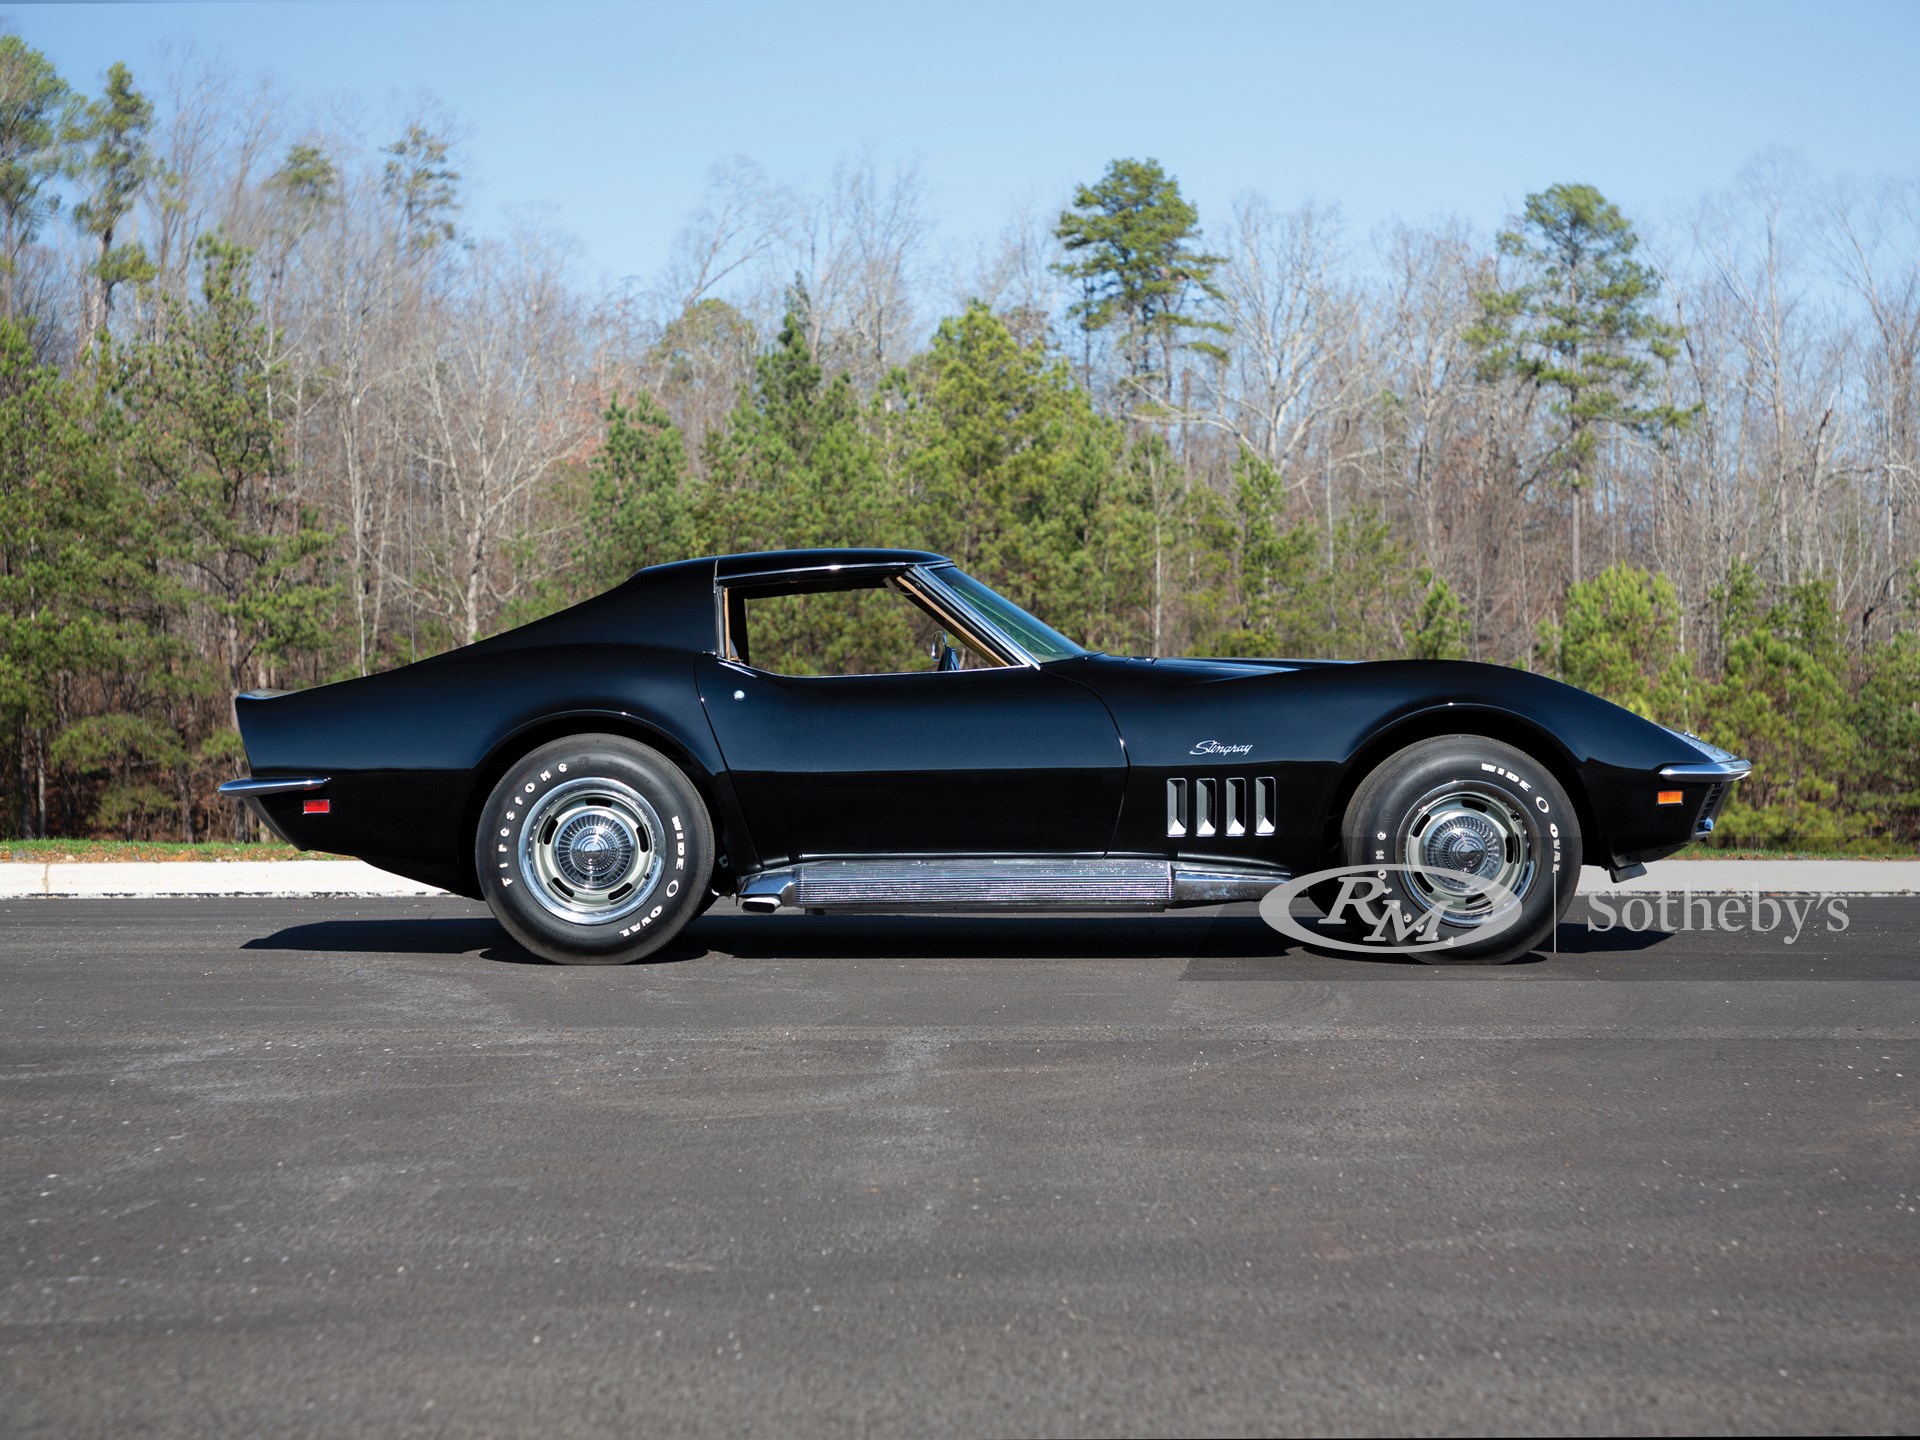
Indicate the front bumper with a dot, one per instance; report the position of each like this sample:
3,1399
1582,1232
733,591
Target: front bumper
1719,776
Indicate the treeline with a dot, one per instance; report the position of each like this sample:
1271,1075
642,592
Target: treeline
273,414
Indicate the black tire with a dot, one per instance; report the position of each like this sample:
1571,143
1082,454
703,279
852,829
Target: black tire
594,850
1471,804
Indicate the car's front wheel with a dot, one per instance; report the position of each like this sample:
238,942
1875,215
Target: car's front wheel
594,850
1471,851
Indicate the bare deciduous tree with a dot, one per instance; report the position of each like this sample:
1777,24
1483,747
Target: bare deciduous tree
497,380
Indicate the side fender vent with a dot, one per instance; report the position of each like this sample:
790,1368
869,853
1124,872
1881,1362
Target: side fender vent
1234,806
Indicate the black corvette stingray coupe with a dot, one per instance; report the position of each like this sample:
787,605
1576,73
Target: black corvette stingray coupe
846,730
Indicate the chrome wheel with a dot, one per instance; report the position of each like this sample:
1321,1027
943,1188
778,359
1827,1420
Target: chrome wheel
1458,843
590,852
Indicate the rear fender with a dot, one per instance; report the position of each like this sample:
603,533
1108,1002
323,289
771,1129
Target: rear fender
411,754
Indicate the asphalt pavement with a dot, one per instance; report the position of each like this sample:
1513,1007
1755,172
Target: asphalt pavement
364,1167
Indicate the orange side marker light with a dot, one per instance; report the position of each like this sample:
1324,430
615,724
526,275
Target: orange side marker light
1665,797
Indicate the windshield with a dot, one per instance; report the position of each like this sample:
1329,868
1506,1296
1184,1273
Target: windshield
1039,640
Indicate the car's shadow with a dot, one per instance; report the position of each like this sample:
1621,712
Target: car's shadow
1205,940
479,935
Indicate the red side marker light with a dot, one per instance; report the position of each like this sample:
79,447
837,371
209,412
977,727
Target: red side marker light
316,807
1665,797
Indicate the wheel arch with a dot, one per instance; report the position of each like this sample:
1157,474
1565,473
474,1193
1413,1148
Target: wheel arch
522,742
1509,728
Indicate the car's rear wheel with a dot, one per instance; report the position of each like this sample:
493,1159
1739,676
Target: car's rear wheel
1478,848
594,850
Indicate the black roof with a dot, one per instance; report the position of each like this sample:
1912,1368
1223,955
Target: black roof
672,604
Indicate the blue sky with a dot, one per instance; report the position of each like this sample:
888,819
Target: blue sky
611,114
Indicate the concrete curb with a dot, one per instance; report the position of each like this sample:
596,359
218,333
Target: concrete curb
292,878
1727,877
206,877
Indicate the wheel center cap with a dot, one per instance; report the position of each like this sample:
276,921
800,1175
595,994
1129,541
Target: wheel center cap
593,850
1464,842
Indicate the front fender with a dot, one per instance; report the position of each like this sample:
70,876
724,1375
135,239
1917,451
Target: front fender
1319,730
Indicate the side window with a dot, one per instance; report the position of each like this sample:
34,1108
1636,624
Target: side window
868,630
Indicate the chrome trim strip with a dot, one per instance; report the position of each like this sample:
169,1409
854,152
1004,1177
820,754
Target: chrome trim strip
240,789
1206,885
982,884
1709,770
803,572
960,615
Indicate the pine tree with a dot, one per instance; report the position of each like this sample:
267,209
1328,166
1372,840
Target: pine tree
1578,328
1442,628
1782,702
985,428
306,183
423,187
79,628
637,511
111,162
1130,241
1273,598
241,551
1887,719
796,467
1621,640
34,103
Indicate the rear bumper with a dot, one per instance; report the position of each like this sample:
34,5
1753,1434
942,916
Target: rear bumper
253,789
415,823
270,785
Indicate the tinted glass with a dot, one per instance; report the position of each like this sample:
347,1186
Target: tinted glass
1036,637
